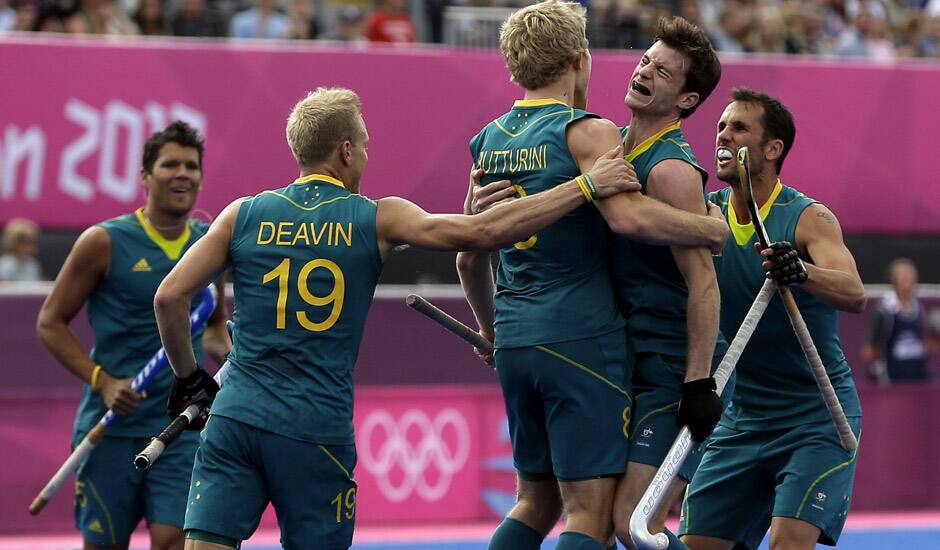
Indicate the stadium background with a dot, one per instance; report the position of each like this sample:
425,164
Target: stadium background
433,446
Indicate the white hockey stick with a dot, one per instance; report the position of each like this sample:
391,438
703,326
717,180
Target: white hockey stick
652,499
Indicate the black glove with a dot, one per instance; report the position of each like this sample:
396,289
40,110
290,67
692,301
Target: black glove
700,408
198,388
787,268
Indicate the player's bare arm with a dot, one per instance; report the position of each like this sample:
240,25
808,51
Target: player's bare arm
832,276
678,184
476,273
201,264
215,339
636,215
84,268
401,222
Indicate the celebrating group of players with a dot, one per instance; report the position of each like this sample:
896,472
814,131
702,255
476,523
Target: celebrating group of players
607,318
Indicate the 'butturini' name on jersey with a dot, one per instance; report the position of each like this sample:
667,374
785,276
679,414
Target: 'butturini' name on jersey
649,285
305,262
554,286
775,386
120,311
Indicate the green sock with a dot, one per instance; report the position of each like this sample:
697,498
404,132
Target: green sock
569,540
512,534
674,542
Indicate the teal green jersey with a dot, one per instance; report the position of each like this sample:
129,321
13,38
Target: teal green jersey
552,287
305,262
775,387
650,288
120,311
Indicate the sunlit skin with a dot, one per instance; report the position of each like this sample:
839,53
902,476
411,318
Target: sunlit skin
655,87
172,185
741,125
358,158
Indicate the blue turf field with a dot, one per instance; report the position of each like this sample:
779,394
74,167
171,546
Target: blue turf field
925,539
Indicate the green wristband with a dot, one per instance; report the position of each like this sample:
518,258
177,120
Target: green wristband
590,184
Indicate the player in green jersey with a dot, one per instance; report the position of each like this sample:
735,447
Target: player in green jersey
668,294
305,260
775,459
561,356
115,268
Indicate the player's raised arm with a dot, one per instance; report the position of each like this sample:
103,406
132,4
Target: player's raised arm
201,264
832,276
401,222
633,214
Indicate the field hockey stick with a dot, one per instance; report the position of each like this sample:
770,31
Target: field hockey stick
653,497
452,325
145,458
846,437
143,379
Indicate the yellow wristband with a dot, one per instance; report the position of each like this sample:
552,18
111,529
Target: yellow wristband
95,373
585,190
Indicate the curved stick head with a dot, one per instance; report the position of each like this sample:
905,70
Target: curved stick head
747,189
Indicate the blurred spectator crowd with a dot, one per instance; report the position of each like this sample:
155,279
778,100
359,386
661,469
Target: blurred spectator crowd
881,30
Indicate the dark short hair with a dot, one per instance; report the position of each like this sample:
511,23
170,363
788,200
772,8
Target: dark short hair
777,119
704,69
180,133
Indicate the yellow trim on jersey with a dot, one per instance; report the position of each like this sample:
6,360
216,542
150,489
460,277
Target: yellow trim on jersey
600,377
172,248
569,112
338,463
320,177
648,142
538,102
664,408
104,508
826,474
314,207
743,233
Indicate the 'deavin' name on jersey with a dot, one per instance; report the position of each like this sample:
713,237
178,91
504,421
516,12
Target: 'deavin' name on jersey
305,233
513,160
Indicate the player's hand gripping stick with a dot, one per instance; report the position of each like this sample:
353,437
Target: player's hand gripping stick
157,363
145,458
652,499
846,437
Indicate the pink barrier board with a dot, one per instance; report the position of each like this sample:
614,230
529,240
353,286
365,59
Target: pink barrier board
75,113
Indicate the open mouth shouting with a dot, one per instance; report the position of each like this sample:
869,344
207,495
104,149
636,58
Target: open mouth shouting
640,89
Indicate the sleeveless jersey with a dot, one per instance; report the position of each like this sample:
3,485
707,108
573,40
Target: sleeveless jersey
649,285
305,262
120,311
775,387
554,286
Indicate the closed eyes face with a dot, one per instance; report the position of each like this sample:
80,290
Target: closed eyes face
658,79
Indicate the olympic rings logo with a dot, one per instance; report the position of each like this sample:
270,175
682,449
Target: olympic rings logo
413,460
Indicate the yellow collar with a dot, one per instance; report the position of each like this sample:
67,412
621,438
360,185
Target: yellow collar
743,232
648,142
538,102
172,248
320,177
